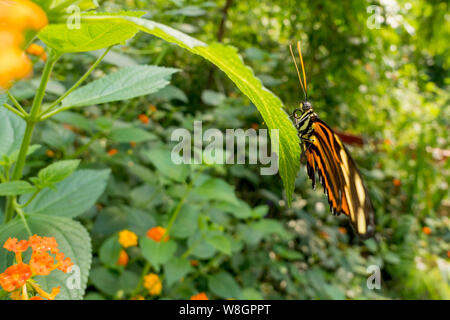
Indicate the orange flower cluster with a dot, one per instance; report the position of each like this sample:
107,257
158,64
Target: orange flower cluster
143,118
157,234
426,230
16,17
200,296
18,278
123,258
128,238
112,152
153,284
36,50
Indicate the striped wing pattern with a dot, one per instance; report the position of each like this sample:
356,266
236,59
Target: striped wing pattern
342,182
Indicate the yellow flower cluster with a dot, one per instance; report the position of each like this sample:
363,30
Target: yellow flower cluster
16,17
153,284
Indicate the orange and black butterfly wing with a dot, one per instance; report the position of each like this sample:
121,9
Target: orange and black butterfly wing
342,182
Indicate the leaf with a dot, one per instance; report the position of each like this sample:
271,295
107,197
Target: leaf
93,34
186,223
200,248
12,128
224,286
157,253
212,98
110,250
220,242
171,93
175,269
218,190
57,171
131,134
251,294
3,98
126,83
14,188
72,197
111,282
74,119
269,105
161,158
73,240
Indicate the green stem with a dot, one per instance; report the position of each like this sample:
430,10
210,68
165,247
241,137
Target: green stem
14,110
46,114
18,206
31,123
16,103
180,204
22,217
144,272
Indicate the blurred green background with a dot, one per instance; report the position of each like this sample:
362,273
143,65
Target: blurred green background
379,73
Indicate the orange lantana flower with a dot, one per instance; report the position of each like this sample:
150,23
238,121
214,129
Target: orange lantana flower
153,284
15,276
143,118
18,278
112,152
41,263
157,234
16,17
38,51
128,238
200,296
426,230
123,258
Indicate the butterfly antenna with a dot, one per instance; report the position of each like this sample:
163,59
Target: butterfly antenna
303,67
298,72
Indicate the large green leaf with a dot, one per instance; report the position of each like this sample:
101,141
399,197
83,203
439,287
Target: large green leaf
13,188
72,197
126,83
268,104
73,240
12,129
228,60
94,33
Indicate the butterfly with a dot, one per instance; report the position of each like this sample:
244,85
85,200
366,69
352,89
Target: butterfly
337,172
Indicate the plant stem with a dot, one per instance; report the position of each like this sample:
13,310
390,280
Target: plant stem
14,110
31,123
16,103
144,272
76,85
180,204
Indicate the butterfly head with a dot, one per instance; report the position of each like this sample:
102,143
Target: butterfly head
306,106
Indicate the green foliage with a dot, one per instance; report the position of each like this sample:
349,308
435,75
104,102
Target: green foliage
232,233
72,197
126,83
